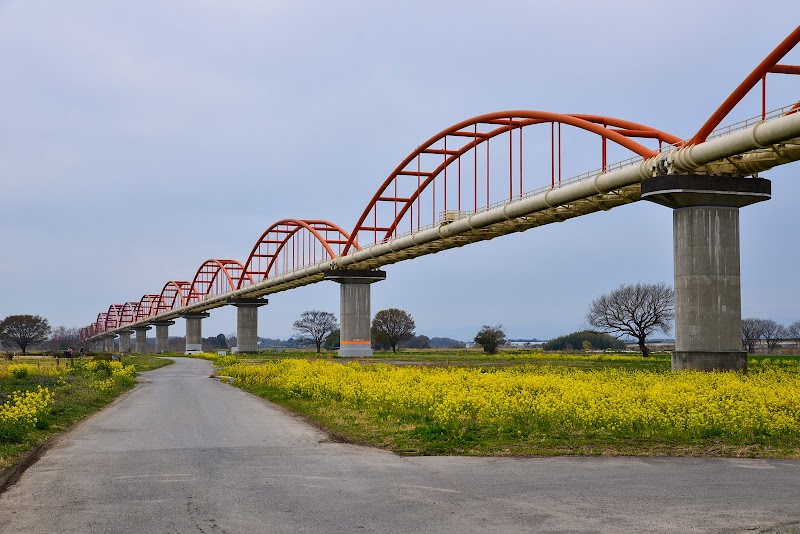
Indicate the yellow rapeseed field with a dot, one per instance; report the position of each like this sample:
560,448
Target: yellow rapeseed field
526,399
22,408
20,413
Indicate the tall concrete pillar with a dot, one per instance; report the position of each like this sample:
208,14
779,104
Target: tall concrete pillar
708,296
247,323
162,336
355,318
125,341
141,339
194,331
109,344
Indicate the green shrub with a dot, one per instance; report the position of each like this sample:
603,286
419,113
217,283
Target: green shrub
577,340
19,372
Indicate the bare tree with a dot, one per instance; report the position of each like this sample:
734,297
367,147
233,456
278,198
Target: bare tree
751,334
490,337
24,330
793,332
396,325
315,326
636,310
772,332
63,337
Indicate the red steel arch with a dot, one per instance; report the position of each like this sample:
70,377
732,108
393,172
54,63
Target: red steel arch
768,65
100,323
90,331
113,316
293,243
95,328
448,147
208,282
128,314
148,305
175,294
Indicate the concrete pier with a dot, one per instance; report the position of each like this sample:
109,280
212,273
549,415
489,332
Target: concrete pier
141,339
194,331
125,341
355,319
109,345
162,336
247,323
708,297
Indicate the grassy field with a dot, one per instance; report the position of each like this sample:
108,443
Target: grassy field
74,389
523,403
466,402
477,358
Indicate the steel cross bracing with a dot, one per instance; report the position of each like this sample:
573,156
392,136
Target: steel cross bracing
446,197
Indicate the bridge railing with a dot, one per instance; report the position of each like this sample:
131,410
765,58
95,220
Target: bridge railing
749,123
706,152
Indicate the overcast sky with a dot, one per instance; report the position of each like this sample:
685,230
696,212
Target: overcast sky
138,139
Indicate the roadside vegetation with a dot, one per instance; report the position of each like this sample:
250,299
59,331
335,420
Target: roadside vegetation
40,396
474,357
536,403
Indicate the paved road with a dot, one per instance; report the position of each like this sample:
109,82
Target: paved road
185,453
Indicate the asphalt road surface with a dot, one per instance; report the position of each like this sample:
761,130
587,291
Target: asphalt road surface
186,453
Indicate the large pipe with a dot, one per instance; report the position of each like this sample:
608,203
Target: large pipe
763,135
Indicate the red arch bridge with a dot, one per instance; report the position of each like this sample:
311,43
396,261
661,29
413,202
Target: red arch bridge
507,172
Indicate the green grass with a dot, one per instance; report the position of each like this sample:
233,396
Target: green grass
505,357
472,357
145,362
74,400
422,436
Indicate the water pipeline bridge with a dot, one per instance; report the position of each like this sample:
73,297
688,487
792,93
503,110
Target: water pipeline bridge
477,180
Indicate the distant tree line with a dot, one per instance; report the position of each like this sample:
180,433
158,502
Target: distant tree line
213,344
620,312
766,331
421,342
585,340
391,328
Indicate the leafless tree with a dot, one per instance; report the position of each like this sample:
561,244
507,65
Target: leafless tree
315,326
395,325
772,332
751,334
793,332
63,338
636,310
754,330
24,330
